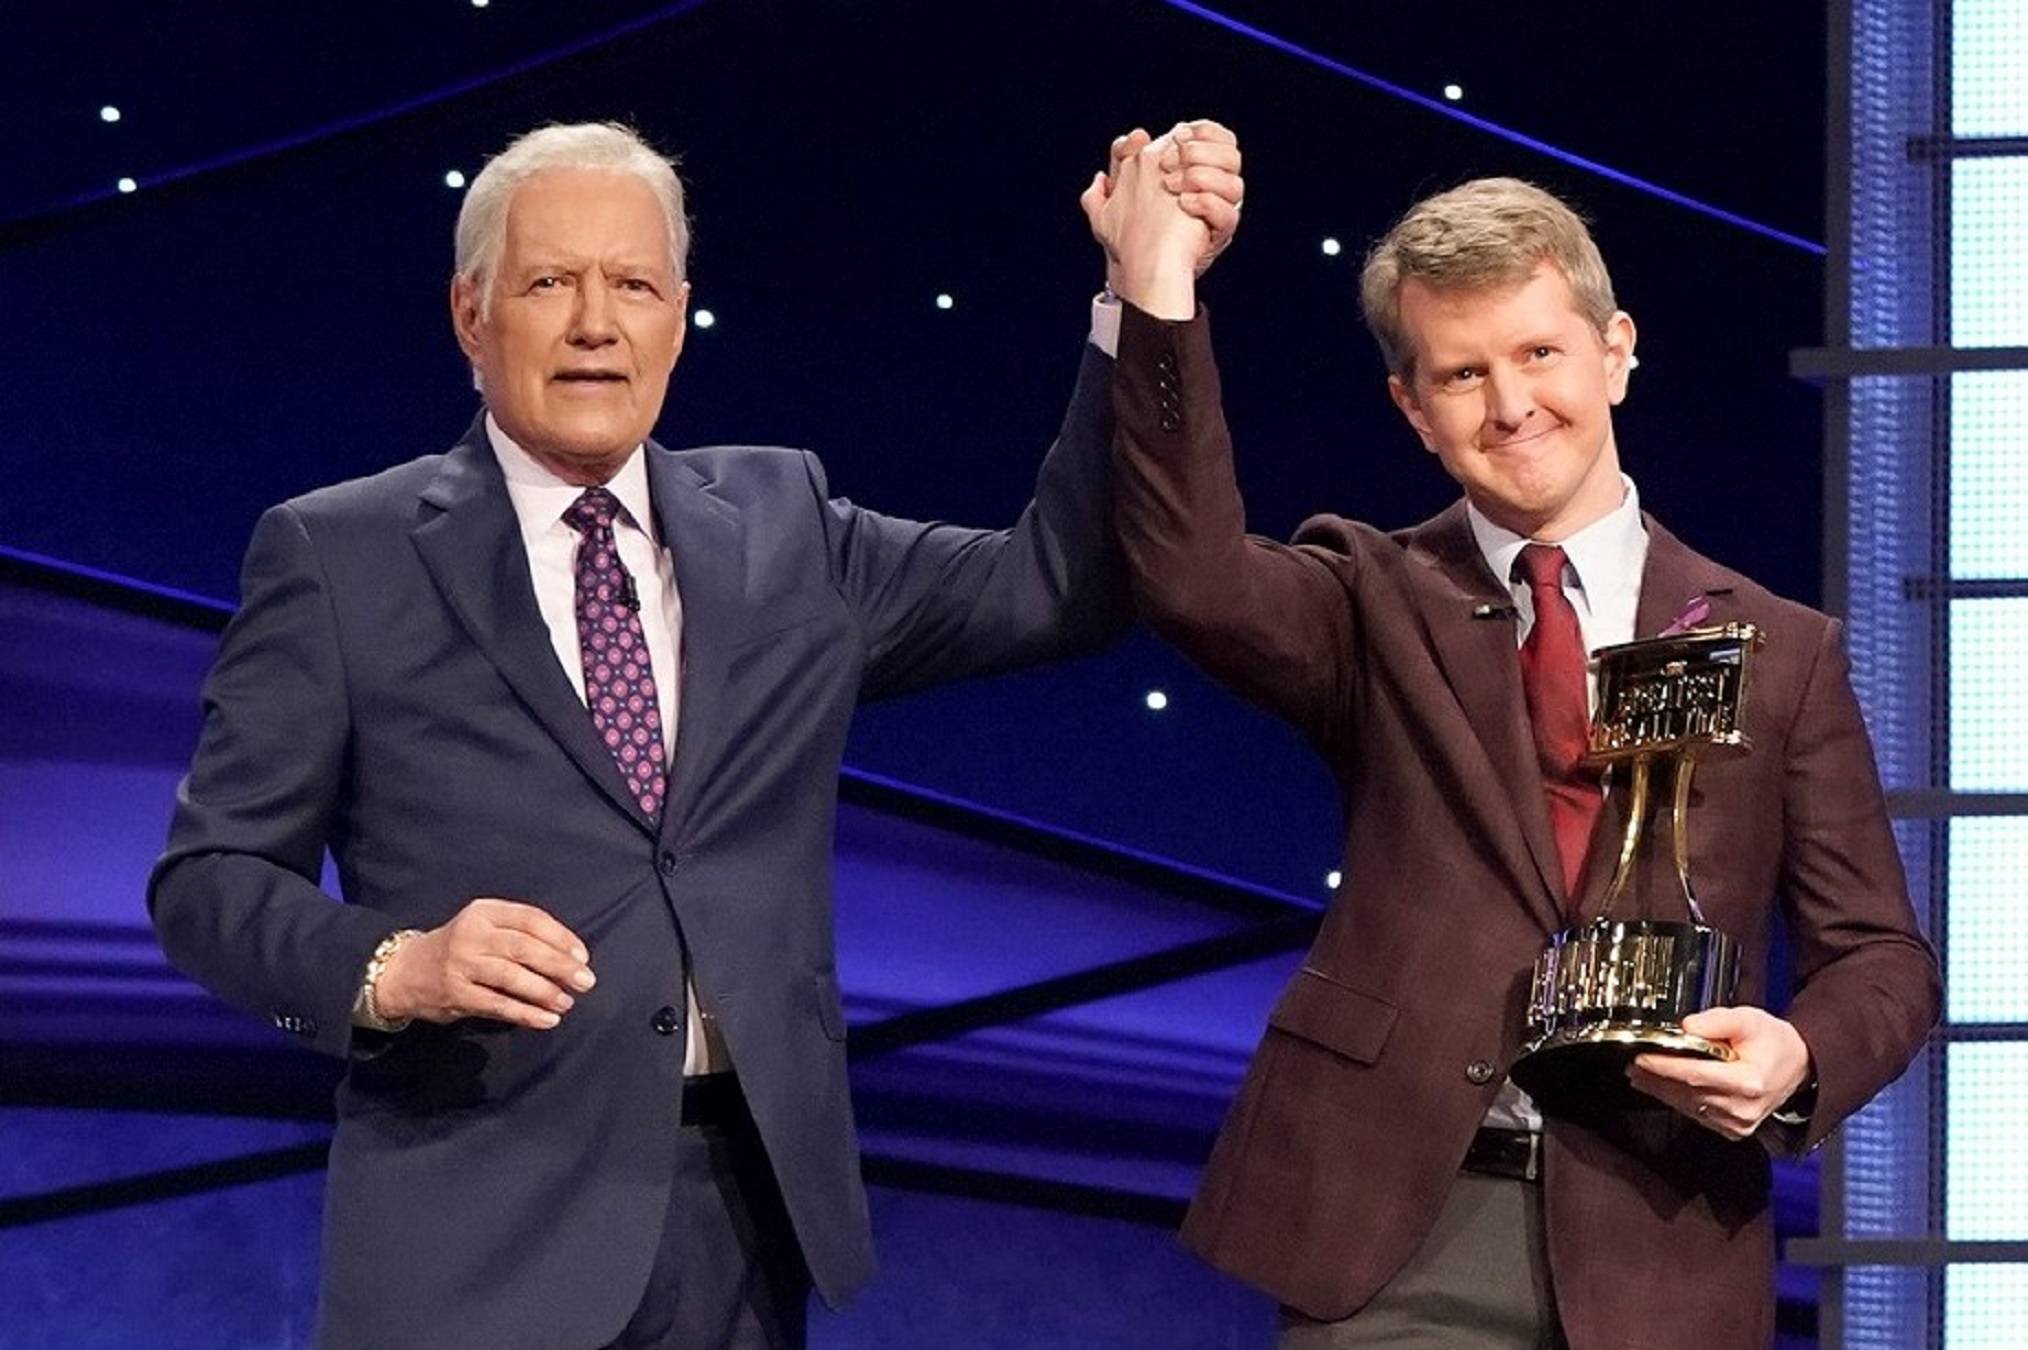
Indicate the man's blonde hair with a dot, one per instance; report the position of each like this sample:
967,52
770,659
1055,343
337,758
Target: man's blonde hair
1482,235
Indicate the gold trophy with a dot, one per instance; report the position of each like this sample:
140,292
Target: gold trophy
1615,988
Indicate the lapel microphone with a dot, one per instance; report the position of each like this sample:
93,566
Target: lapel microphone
630,595
1485,610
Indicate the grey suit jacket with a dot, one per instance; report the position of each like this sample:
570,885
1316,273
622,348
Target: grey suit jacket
388,690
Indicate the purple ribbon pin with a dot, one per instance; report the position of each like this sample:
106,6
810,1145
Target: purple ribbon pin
1695,612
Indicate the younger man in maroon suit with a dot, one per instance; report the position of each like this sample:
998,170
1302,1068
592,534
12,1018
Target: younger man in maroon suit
1379,1173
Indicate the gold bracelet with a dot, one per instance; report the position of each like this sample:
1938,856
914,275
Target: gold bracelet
365,1009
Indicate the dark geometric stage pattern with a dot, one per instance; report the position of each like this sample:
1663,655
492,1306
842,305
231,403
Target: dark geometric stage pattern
1046,1032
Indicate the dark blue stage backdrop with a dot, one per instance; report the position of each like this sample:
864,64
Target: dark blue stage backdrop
265,312
181,357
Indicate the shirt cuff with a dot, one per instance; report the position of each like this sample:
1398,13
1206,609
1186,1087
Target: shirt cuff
1105,323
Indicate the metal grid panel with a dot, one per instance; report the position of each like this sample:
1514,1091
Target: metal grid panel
1889,634
1887,1307
1892,534
1892,209
1936,496
1884,1197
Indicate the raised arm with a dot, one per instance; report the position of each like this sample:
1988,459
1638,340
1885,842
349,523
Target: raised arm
1274,622
938,602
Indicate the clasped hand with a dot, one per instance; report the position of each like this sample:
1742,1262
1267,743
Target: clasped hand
1163,209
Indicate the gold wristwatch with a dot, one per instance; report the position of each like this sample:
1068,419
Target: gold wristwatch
365,1013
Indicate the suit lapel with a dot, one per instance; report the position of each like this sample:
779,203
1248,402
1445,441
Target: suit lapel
472,547
706,539
1673,580
1469,615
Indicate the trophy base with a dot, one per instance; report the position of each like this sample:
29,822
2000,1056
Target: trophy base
1579,1071
1612,990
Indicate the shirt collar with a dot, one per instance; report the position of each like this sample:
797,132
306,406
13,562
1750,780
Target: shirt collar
1595,553
540,498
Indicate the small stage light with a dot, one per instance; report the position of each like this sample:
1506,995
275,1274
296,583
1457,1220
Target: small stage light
1156,700
1332,248
454,179
1454,92
109,113
127,185
944,300
705,318
1332,878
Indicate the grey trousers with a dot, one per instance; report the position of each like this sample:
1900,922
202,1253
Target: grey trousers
729,1273
1480,1282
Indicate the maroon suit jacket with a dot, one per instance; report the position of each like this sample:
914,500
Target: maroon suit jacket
1385,1050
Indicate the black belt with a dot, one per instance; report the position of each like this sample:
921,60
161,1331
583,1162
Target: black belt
1515,1154
713,1099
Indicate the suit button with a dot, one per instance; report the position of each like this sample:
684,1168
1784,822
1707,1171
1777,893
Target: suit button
665,1021
667,864
1479,1072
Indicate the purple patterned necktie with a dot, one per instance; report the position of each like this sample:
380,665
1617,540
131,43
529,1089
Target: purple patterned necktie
619,682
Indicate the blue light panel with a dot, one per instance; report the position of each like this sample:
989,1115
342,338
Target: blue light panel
1988,938
1907,1174
1986,1145
1989,52
1989,250
1989,697
1983,1307
1989,469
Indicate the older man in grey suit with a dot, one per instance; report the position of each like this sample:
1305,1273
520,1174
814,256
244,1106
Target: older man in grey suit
567,708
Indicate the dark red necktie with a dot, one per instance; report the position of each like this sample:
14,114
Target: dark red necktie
1559,708
619,682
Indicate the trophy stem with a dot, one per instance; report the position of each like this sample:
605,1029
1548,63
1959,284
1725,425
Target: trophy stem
1637,818
1679,829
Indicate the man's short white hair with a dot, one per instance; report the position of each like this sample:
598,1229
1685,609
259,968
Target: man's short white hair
607,146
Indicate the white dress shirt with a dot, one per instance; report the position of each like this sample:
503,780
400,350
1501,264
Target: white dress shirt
1602,578
540,498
